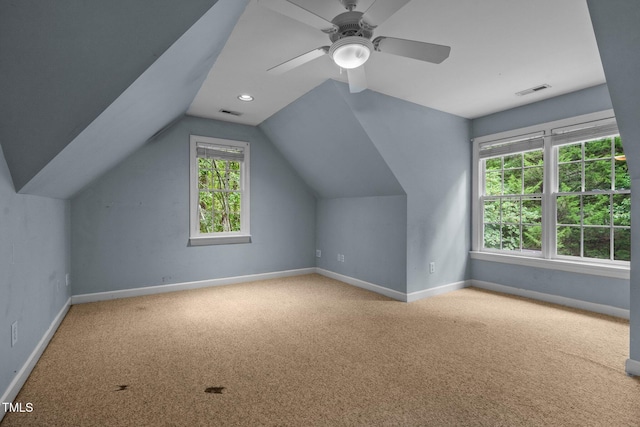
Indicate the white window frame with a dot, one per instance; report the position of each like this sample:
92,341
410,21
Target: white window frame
547,258
196,238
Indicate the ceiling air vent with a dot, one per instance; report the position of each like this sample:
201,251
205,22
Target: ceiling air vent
232,113
533,90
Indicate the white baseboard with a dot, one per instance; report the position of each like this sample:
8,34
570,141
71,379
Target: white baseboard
632,367
427,293
25,371
150,290
397,295
555,299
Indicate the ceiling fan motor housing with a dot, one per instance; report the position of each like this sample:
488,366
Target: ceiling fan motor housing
350,24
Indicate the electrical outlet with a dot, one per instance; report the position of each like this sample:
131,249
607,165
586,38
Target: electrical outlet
318,253
67,279
432,267
14,333
340,257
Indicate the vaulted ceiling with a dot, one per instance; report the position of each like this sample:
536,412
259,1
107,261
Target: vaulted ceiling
83,85
498,48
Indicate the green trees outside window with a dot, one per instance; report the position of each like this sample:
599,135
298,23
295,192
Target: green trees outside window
513,207
592,201
219,195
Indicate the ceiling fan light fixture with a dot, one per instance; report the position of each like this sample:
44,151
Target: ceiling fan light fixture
351,52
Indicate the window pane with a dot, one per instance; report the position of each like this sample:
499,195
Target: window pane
219,222
513,161
234,220
532,211
493,183
511,210
491,211
622,244
532,237
598,149
219,174
204,179
206,224
597,175
494,164
492,236
511,237
622,209
568,239
570,177
596,209
570,153
623,180
618,146
233,199
568,210
513,181
533,158
220,202
234,180
204,163
596,243
533,179
205,200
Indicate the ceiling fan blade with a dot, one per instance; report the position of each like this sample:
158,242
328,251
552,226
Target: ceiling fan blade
357,79
429,52
299,13
381,10
298,60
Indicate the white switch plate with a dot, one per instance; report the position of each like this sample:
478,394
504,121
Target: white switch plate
432,267
318,253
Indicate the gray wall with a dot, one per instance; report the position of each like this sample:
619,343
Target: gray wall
429,153
573,104
320,137
34,259
368,144
371,234
130,228
596,289
584,287
615,23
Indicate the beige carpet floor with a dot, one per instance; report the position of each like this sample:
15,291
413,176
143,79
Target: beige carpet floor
308,350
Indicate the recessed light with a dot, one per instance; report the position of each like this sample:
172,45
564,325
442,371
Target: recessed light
245,98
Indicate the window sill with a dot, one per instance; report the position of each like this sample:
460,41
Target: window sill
613,271
219,240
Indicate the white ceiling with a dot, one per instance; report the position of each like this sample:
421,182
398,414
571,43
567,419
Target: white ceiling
498,48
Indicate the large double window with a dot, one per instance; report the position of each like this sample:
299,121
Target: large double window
558,192
219,196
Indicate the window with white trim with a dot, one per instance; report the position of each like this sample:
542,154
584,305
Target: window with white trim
219,191
560,192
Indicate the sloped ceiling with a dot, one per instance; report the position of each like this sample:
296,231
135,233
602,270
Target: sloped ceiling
616,27
125,68
320,137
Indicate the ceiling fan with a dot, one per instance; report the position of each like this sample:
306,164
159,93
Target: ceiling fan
350,33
